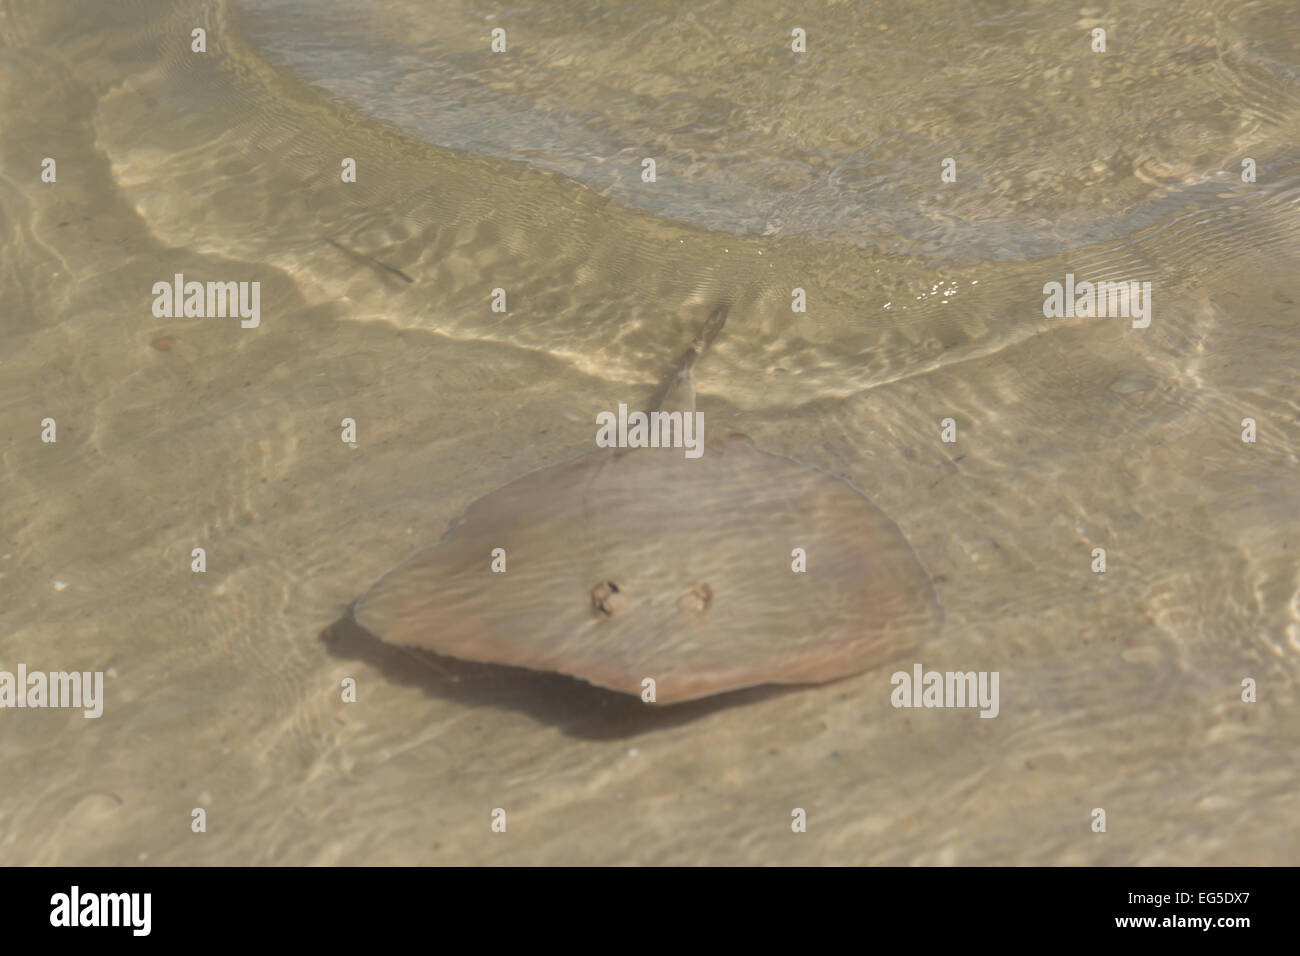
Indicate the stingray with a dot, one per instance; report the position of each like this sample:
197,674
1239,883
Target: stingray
704,575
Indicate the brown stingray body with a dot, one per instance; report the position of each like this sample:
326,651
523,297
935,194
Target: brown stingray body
628,564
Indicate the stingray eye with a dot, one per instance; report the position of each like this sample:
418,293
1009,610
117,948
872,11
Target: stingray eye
605,598
697,599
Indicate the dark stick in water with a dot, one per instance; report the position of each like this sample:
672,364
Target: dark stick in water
369,260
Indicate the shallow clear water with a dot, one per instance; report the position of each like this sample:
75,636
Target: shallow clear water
522,171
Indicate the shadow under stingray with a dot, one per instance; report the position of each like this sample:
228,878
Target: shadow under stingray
566,703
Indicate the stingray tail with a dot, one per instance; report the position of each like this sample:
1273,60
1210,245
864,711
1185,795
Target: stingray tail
678,390
717,319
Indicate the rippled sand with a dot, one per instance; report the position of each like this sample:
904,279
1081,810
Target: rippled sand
1120,691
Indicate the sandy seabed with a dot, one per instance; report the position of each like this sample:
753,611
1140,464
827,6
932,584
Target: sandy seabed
223,689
